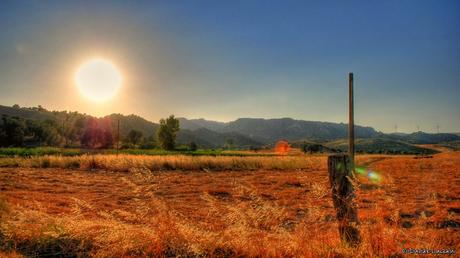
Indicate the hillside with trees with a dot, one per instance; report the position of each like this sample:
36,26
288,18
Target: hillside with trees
37,126
379,146
268,131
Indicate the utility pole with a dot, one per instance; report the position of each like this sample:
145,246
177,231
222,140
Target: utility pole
418,128
341,174
437,128
351,122
396,128
64,131
118,134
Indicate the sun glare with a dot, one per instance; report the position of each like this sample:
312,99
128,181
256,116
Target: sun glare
98,79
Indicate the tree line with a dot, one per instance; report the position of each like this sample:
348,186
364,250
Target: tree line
72,129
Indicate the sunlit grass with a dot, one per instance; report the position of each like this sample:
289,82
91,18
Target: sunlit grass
125,162
253,207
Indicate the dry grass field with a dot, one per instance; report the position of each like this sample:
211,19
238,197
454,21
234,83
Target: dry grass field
131,206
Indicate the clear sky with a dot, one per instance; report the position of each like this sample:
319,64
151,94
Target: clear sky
222,60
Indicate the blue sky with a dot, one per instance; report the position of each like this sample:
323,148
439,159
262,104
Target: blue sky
222,60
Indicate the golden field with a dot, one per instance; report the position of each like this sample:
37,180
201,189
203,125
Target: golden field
149,206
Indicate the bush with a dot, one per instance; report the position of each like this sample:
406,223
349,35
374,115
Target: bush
193,146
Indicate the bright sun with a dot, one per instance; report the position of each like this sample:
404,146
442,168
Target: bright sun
98,79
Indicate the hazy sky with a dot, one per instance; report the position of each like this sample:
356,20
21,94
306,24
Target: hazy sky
222,60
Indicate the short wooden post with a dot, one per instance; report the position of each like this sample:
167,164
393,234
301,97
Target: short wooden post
341,179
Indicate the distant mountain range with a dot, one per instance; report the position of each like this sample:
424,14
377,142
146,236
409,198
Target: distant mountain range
256,132
268,131
380,145
425,138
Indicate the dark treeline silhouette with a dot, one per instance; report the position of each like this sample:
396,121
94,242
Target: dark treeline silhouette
39,127
74,131
97,134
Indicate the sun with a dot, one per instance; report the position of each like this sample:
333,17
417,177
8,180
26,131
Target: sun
98,79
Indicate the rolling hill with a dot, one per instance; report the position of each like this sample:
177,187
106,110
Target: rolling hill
131,122
268,131
380,145
254,132
212,139
425,138
203,137
34,113
193,124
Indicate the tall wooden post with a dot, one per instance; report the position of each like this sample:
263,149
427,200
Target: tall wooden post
343,194
340,168
351,122
118,134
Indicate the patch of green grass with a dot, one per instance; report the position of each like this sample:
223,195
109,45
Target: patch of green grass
47,151
185,152
38,151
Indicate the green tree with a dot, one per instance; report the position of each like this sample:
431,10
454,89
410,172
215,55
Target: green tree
312,148
134,137
98,134
148,142
193,146
228,144
11,131
36,133
167,132
305,147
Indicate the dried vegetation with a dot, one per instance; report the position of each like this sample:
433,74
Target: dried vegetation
130,206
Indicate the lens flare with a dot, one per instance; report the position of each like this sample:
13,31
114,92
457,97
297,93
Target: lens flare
371,175
282,147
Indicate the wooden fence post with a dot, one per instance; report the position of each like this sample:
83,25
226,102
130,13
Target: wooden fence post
341,177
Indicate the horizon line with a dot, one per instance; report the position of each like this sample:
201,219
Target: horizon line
229,121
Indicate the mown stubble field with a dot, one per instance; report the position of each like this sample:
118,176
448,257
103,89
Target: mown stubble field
263,210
